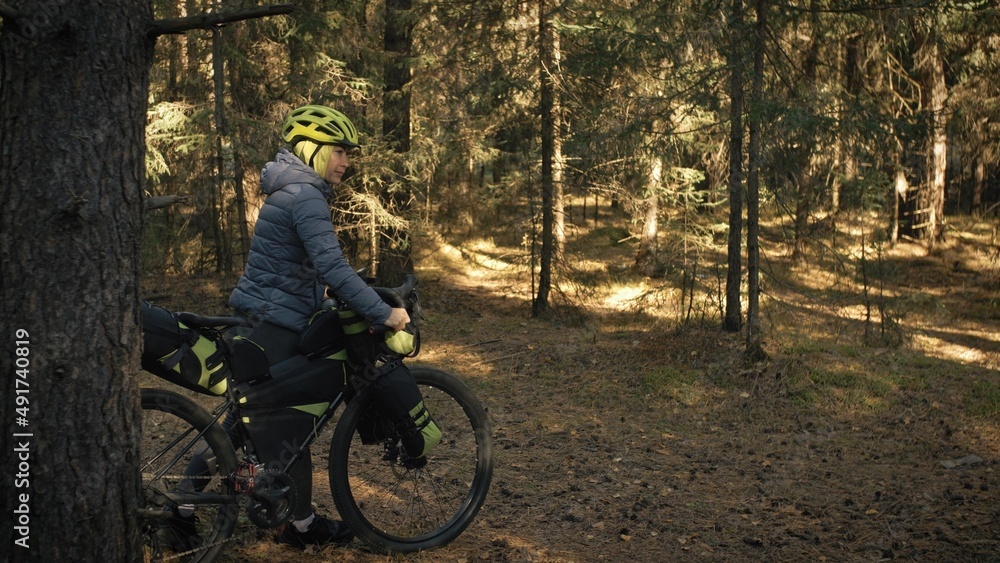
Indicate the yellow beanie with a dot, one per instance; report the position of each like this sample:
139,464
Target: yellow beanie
316,156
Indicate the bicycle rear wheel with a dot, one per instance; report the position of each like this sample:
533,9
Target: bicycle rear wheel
184,452
397,509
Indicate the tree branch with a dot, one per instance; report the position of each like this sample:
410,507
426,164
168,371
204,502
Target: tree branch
210,20
161,201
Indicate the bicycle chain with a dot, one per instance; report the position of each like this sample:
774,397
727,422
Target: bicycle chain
183,477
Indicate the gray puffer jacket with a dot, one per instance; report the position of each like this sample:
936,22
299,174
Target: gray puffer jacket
295,251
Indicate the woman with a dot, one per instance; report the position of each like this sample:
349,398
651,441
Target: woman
294,255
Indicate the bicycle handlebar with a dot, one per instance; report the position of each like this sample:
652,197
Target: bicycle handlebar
402,297
399,297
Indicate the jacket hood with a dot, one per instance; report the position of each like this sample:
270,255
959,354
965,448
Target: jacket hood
285,169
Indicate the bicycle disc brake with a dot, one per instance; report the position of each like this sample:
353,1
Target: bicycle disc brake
272,499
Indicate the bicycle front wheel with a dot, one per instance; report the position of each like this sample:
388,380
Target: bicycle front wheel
189,507
393,508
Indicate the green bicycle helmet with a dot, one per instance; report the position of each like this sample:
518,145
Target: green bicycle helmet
321,125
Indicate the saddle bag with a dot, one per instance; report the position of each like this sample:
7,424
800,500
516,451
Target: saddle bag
179,354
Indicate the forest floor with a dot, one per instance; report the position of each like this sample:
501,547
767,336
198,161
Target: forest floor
629,426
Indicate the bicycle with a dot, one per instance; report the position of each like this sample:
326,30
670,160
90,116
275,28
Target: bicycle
391,503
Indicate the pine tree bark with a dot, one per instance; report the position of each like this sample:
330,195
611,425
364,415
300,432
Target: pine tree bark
394,253
734,316
803,156
73,86
558,168
923,216
546,106
223,157
754,344
929,223
978,181
647,258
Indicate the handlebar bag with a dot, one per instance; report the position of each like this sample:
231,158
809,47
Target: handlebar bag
179,354
365,346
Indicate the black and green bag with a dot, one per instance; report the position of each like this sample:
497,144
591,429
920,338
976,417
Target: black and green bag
179,354
377,357
400,400
366,346
280,410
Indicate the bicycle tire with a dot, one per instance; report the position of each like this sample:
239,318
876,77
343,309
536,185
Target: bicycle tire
171,424
397,510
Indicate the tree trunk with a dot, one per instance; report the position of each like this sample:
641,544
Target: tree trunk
546,106
754,348
804,155
928,220
734,314
71,217
394,252
853,76
647,261
558,193
978,181
241,208
223,157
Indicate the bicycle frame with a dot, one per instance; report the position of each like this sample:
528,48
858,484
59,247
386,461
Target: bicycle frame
208,498
396,507
217,334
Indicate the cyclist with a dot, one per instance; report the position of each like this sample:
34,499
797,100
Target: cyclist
293,255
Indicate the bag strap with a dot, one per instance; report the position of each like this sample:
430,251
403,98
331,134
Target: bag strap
177,356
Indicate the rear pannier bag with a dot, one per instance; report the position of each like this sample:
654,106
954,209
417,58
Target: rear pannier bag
180,354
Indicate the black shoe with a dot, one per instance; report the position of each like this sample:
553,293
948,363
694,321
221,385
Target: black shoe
322,531
179,533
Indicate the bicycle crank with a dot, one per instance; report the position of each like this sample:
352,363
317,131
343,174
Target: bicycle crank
270,502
